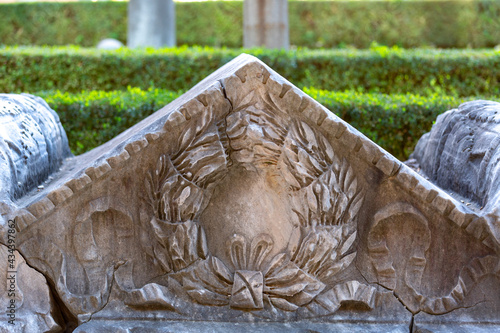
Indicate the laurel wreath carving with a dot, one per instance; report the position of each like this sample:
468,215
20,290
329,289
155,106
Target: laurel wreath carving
328,202
176,192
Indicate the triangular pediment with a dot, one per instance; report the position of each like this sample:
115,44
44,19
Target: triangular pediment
245,199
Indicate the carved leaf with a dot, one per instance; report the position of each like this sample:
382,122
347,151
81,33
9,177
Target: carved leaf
256,130
287,282
307,155
221,270
204,296
331,300
245,101
312,200
149,188
348,243
178,244
322,252
187,137
160,255
338,266
201,245
283,304
277,261
259,249
238,251
208,282
356,204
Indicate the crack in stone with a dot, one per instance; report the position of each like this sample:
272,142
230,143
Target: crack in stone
457,308
229,147
413,325
117,265
60,313
359,271
395,296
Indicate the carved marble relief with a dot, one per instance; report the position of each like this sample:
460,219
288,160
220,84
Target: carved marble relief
246,201
259,139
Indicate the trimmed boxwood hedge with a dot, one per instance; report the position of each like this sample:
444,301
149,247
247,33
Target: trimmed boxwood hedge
91,118
395,122
452,23
379,69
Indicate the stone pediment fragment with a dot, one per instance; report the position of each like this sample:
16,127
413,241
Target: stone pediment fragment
247,201
462,154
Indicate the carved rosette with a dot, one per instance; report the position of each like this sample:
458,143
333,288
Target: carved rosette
257,134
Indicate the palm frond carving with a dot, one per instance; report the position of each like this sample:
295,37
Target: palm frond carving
329,200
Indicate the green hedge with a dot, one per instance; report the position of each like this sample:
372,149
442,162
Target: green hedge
380,69
92,118
454,23
445,24
395,122
79,23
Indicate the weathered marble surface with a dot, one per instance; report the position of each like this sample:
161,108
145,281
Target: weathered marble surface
26,301
462,154
33,144
245,203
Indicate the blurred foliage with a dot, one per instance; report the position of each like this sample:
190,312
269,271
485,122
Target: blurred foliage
211,23
91,118
58,23
444,24
395,122
379,69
